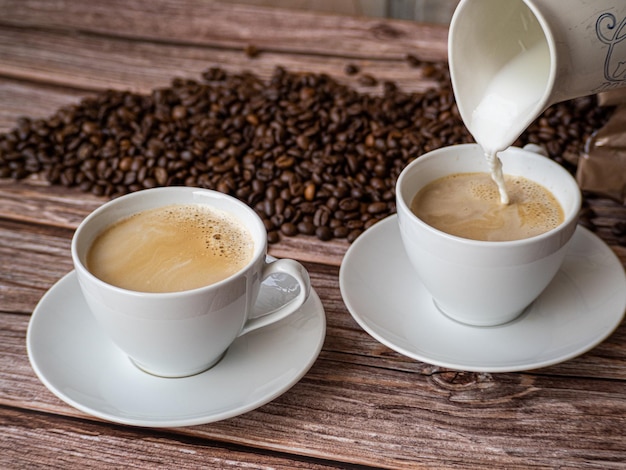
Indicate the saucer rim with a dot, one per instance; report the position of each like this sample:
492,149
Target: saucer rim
458,363
317,334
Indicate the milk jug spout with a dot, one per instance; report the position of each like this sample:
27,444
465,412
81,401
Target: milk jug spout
511,59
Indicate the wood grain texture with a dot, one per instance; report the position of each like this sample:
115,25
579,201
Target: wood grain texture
354,413
20,98
216,24
36,54
361,404
57,442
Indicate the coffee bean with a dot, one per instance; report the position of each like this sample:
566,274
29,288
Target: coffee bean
353,235
349,204
306,228
160,175
324,233
321,216
302,141
285,161
369,222
251,51
179,112
376,207
309,192
619,229
289,229
340,232
367,80
390,87
273,236
413,61
354,224
351,69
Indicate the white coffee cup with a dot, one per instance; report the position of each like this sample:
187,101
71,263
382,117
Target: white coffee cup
580,50
177,334
484,283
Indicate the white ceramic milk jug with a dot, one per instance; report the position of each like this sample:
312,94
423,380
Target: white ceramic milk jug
511,59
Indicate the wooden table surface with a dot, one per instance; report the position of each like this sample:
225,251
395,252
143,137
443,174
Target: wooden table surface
361,404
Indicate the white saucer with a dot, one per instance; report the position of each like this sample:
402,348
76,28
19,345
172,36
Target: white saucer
86,370
578,310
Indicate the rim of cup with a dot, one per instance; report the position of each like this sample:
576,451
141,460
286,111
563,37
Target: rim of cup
253,221
404,206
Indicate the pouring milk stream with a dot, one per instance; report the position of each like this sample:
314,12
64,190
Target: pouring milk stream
511,59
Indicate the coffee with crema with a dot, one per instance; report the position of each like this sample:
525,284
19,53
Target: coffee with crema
468,205
171,248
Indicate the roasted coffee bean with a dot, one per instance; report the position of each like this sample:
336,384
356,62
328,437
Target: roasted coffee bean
390,87
306,228
160,175
619,229
340,232
586,216
349,204
376,207
321,216
413,61
251,51
369,222
351,69
354,224
279,205
273,236
324,233
309,192
353,235
267,207
367,80
285,161
587,223
289,229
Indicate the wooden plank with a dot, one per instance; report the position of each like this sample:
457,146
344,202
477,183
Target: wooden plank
353,413
57,442
361,403
37,201
30,263
55,57
233,25
34,100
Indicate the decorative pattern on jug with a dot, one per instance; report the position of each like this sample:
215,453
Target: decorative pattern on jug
612,33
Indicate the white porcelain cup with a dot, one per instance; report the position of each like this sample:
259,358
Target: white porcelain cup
484,283
177,334
583,51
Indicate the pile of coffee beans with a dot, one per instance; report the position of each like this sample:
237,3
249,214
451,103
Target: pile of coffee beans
310,155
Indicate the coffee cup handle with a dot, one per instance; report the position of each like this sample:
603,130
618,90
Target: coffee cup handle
293,269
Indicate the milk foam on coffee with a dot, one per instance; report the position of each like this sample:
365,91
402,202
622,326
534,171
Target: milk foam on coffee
171,248
510,97
467,205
